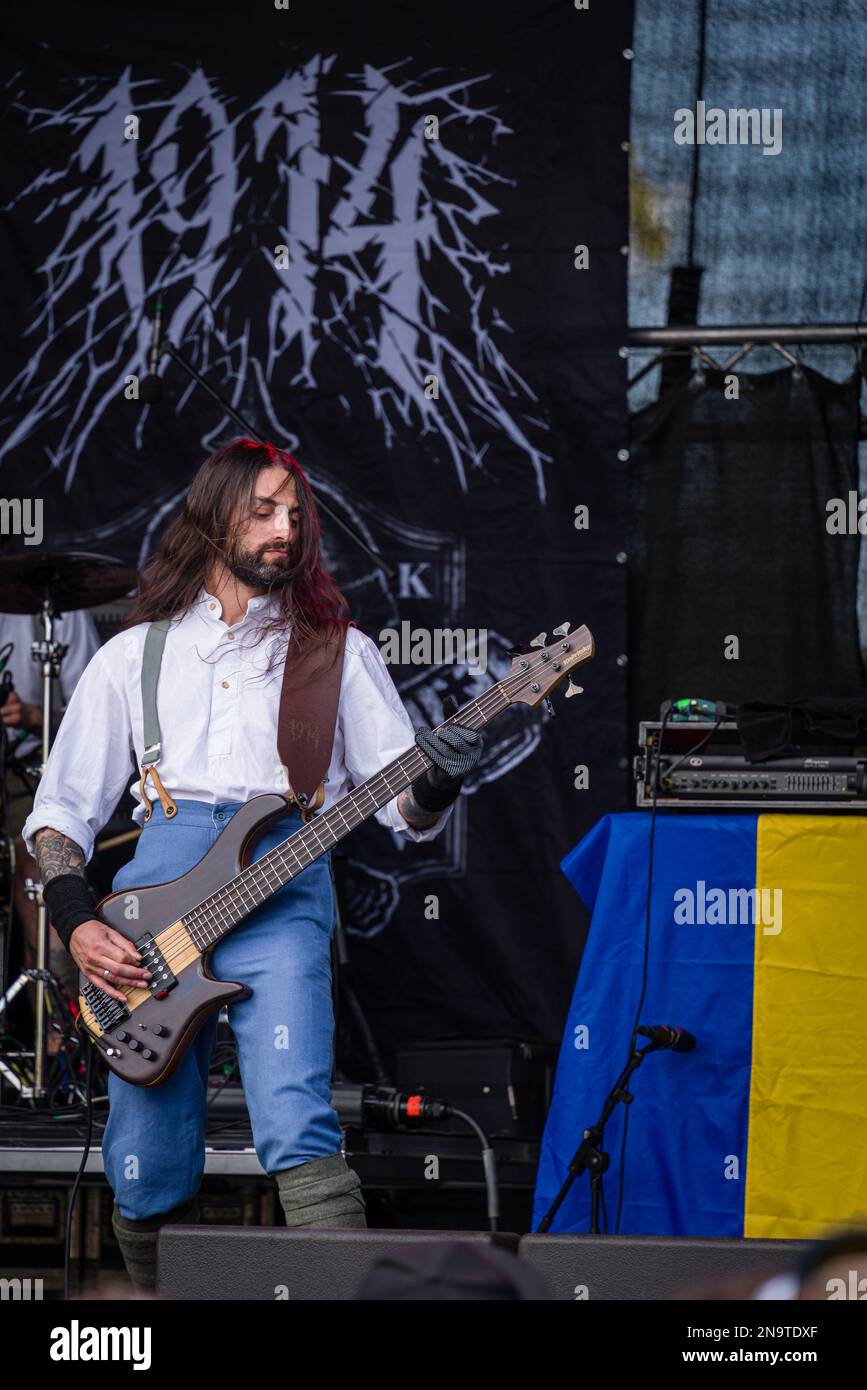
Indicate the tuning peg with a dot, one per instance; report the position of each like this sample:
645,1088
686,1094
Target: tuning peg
540,640
562,630
572,689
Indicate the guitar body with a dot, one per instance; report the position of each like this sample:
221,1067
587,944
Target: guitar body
193,993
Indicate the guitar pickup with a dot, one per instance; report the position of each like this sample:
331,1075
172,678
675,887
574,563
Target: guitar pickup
152,959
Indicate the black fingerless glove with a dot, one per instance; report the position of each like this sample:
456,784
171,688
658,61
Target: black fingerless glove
435,798
454,751
69,902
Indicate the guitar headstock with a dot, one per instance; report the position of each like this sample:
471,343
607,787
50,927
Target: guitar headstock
537,673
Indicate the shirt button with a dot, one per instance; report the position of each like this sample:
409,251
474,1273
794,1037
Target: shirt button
212,605
231,636
225,685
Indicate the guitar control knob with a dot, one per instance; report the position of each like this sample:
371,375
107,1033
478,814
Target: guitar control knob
134,1044
158,1030
121,1035
148,1055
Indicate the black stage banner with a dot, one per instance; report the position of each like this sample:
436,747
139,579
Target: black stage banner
393,236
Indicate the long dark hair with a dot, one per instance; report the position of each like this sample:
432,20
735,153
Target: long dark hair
206,531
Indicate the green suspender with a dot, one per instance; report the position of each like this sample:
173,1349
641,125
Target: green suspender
155,641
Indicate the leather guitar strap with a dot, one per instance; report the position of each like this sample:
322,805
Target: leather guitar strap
307,717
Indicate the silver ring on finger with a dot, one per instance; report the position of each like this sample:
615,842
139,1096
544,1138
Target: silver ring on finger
106,974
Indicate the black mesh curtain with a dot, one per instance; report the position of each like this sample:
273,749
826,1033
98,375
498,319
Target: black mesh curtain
730,541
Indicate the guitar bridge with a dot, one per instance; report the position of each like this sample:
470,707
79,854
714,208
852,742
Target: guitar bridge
152,959
108,1012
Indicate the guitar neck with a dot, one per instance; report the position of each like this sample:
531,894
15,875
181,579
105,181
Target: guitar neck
216,916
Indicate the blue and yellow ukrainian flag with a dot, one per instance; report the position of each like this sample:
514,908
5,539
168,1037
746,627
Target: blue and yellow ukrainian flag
762,1130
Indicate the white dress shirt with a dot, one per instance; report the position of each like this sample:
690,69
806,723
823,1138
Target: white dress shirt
217,704
77,629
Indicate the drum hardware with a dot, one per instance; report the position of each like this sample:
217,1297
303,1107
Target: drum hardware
49,585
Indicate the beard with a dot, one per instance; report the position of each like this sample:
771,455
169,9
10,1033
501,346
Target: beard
253,567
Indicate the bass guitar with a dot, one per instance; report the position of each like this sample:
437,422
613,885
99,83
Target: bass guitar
180,922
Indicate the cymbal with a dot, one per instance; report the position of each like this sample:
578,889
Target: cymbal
76,579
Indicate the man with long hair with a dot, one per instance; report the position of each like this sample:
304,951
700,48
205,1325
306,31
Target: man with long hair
239,574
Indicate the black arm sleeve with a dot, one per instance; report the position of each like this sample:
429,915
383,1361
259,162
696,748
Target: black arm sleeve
70,902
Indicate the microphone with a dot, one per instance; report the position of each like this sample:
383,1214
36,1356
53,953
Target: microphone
151,388
667,1038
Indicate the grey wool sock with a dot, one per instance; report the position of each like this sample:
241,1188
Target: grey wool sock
321,1192
138,1239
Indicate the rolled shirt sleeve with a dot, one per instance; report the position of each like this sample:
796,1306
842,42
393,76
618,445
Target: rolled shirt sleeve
90,764
376,727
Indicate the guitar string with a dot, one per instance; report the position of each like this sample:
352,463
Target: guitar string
178,934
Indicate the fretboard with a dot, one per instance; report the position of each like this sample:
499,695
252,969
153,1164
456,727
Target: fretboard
213,918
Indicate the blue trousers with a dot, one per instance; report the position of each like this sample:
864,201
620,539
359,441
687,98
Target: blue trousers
154,1143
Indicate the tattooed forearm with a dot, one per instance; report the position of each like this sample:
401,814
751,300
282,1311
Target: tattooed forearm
413,814
56,854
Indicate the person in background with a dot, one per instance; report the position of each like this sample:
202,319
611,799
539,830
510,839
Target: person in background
21,713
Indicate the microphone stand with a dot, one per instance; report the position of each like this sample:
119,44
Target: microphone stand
167,346
590,1157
